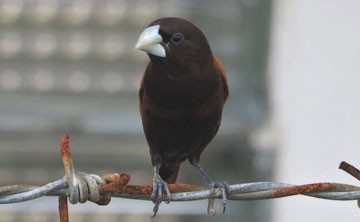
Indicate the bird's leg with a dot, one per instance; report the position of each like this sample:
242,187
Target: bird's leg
159,185
223,186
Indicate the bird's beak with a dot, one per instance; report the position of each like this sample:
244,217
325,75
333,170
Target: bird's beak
149,41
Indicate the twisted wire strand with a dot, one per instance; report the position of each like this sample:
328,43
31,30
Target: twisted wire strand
20,193
245,191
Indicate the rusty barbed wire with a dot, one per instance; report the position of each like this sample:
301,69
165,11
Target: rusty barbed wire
82,187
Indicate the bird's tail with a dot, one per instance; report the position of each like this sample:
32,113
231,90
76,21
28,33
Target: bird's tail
169,173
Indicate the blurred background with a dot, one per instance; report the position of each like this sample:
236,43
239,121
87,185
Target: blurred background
71,67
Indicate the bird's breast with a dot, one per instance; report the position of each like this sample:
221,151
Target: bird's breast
196,111
180,134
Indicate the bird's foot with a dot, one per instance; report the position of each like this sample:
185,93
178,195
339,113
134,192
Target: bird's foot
224,189
159,186
222,186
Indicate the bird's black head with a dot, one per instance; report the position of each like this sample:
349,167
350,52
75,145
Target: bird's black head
177,46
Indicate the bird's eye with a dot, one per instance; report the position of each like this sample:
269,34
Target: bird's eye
177,38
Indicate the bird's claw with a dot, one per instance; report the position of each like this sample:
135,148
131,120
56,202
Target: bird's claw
224,189
159,186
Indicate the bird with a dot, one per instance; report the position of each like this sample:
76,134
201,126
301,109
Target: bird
182,95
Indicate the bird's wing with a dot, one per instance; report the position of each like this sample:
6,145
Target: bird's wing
221,69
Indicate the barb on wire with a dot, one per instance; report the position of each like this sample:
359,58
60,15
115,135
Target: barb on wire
63,209
82,187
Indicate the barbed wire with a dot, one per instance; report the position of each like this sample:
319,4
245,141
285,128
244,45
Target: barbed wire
82,187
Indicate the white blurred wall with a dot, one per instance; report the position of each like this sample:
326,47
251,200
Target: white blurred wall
314,73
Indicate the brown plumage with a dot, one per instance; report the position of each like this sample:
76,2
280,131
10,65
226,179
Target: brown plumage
182,94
